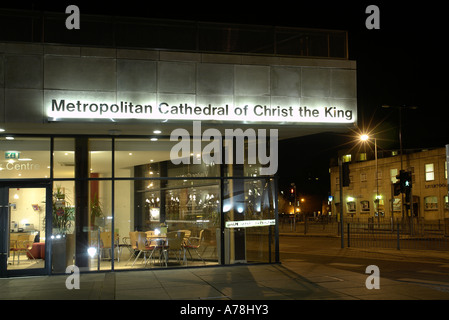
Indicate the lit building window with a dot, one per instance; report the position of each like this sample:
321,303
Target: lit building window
393,174
364,206
430,203
430,174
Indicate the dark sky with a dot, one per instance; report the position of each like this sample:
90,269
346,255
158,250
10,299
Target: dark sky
402,63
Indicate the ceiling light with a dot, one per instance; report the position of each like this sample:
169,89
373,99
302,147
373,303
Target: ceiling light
157,131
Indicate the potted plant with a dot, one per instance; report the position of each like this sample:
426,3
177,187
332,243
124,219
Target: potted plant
63,213
96,212
63,216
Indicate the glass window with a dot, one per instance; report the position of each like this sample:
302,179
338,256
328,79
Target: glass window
188,208
430,174
100,158
393,174
249,213
64,158
27,220
351,205
430,203
149,159
364,206
347,158
397,204
22,158
100,246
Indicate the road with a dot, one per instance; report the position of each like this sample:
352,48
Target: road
426,267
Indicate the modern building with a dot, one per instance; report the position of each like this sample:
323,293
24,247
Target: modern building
136,143
429,187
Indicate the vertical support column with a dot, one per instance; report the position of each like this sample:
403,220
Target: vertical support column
163,183
81,201
236,243
4,230
139,199
239,213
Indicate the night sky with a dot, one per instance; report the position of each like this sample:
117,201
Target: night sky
402,63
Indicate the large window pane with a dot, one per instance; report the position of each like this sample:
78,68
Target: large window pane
172,208
22,158
249,213
64,158
100,158
101,247
149,159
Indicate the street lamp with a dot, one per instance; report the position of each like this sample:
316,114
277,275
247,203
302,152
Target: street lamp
364,137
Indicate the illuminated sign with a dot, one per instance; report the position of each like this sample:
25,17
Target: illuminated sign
12,155
250,223
63,109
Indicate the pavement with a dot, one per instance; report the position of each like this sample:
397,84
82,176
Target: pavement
292,279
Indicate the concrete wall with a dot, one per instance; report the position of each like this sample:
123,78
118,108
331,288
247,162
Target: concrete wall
32,74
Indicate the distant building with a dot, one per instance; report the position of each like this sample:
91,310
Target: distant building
429,187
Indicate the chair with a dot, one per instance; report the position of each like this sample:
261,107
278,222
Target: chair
142,245
23,243
105,242
195,243
127,244
187,234
175,243
132,244
158,244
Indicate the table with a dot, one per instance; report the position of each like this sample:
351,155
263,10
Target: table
159,243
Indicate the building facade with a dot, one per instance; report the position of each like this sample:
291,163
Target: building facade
117,157
429,187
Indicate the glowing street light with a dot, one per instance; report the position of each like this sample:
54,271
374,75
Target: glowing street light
364,137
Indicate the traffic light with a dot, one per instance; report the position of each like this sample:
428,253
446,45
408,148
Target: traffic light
345,172
406,181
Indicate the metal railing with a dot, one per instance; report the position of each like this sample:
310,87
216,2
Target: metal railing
375,233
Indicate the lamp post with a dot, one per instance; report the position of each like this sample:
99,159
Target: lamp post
365,137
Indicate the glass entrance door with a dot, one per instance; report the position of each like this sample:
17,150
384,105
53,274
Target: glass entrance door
23,229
